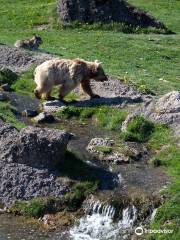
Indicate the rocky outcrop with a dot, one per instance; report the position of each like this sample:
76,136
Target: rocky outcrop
19,60
166,109
33,146
105,11
28,159
103,150
108,151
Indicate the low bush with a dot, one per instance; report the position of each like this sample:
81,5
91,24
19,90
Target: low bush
139,129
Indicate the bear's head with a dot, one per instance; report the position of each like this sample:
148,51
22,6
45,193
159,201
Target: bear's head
97,72
37,40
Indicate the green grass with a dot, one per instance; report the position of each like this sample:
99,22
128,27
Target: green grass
139,129
78,194
164,10
71,201
151,59
109,118
35,208
25,84
7,115
104,149
167,154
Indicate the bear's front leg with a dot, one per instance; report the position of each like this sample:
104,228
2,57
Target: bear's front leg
48,97
63,91
85,85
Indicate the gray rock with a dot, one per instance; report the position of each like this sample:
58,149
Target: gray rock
116,158
29,113
52,106
107,151
103,150
21,182
3,97
33,146
166,109
19,60
169,103
26,160
136,151
44,117
98,142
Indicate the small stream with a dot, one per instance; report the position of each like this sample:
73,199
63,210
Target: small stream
98,220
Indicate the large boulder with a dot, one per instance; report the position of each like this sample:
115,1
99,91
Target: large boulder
33,146
169,103
27,161
166,109
106,11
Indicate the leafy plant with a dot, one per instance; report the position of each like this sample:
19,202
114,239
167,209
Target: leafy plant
139,129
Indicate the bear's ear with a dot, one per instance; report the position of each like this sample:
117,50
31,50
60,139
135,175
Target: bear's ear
94,69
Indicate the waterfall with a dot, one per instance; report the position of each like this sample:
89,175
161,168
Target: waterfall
128,218
97,223
96,207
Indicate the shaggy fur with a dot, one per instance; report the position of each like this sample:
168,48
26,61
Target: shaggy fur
32,43
69,74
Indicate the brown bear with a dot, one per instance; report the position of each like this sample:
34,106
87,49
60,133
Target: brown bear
69,74
32,44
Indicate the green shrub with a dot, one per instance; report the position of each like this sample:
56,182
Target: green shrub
35,208
139,129
7,76
79,193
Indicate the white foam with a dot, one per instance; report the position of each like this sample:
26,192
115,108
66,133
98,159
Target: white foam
99,224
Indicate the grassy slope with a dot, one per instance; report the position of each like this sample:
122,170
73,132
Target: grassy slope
164,10
133,57
167,153
145,59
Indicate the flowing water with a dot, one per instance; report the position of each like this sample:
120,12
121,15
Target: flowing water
98,222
